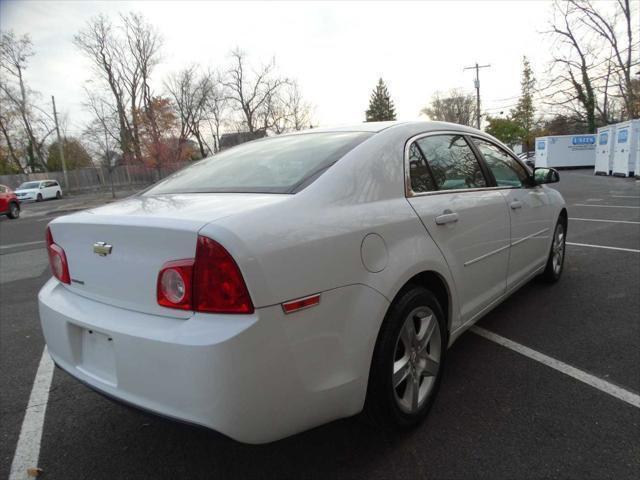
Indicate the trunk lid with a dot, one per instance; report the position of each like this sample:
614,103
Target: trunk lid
144,233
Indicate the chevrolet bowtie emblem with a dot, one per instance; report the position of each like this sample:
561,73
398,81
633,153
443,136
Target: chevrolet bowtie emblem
102,248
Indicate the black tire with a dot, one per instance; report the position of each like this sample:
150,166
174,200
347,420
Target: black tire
382,404
39,198
14,211
58,195
554,267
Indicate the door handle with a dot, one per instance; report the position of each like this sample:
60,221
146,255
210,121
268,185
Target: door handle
515,204
449,217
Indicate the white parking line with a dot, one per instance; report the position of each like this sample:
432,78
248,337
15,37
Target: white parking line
602,385
605,247
603,206
608,221
28,448
24,244
625,196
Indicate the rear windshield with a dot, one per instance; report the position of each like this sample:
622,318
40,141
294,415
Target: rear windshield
274,165
28,185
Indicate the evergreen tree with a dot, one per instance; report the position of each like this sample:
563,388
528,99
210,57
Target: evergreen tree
524,113
75,155
381,106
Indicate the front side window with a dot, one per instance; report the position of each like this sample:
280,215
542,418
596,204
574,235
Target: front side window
274,165
453,164
506,170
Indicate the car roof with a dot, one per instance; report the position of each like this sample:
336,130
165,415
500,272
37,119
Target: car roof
376,127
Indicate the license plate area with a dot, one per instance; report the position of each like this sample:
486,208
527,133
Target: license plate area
98,356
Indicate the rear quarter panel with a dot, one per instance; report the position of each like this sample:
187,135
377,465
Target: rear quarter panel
312,242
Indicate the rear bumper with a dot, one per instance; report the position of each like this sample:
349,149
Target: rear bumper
255,378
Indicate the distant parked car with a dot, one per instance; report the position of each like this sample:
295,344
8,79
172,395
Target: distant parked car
39,190
9,203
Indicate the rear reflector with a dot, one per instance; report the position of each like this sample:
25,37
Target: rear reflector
300,304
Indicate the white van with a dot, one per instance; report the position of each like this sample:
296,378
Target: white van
39,190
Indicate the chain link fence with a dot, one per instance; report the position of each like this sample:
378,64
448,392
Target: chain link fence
98,178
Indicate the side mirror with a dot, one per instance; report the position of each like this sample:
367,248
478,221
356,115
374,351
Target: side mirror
41,186
545,175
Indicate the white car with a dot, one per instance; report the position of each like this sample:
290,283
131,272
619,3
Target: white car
39,190
298,279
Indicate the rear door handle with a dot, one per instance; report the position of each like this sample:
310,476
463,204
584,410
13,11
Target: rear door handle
515,204
445,218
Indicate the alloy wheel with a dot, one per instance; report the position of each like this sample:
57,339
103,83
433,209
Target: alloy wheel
558,249
416,359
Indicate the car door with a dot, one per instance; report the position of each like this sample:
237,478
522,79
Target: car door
50,189
529,212
42,190
467,219
4,199
55,186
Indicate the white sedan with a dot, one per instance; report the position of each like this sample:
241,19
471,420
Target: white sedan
298,279
39,190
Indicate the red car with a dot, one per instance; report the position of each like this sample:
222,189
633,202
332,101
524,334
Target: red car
9,203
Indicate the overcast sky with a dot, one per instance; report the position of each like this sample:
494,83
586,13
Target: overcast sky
336,51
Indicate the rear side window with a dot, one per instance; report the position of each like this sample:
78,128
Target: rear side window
273,165
506,170
452,163
421,178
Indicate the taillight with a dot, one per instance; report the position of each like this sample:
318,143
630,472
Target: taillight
174,288
212,282
217,281
57,259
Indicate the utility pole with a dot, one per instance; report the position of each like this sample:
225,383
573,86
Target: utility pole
476,82
60,147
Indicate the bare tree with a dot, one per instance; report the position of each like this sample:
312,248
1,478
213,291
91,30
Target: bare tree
286,110
300,110
17,100
592,61
455,106
7,127
576,59
616,31
124,58
252,92
217,106
191,94
99,43
102,135
143,43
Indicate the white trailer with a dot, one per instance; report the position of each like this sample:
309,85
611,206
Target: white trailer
566,151
625,148
604,150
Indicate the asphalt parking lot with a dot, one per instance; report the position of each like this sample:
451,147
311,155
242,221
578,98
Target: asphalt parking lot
499,414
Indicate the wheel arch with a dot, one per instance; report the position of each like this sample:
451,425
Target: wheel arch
436,284
565,218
